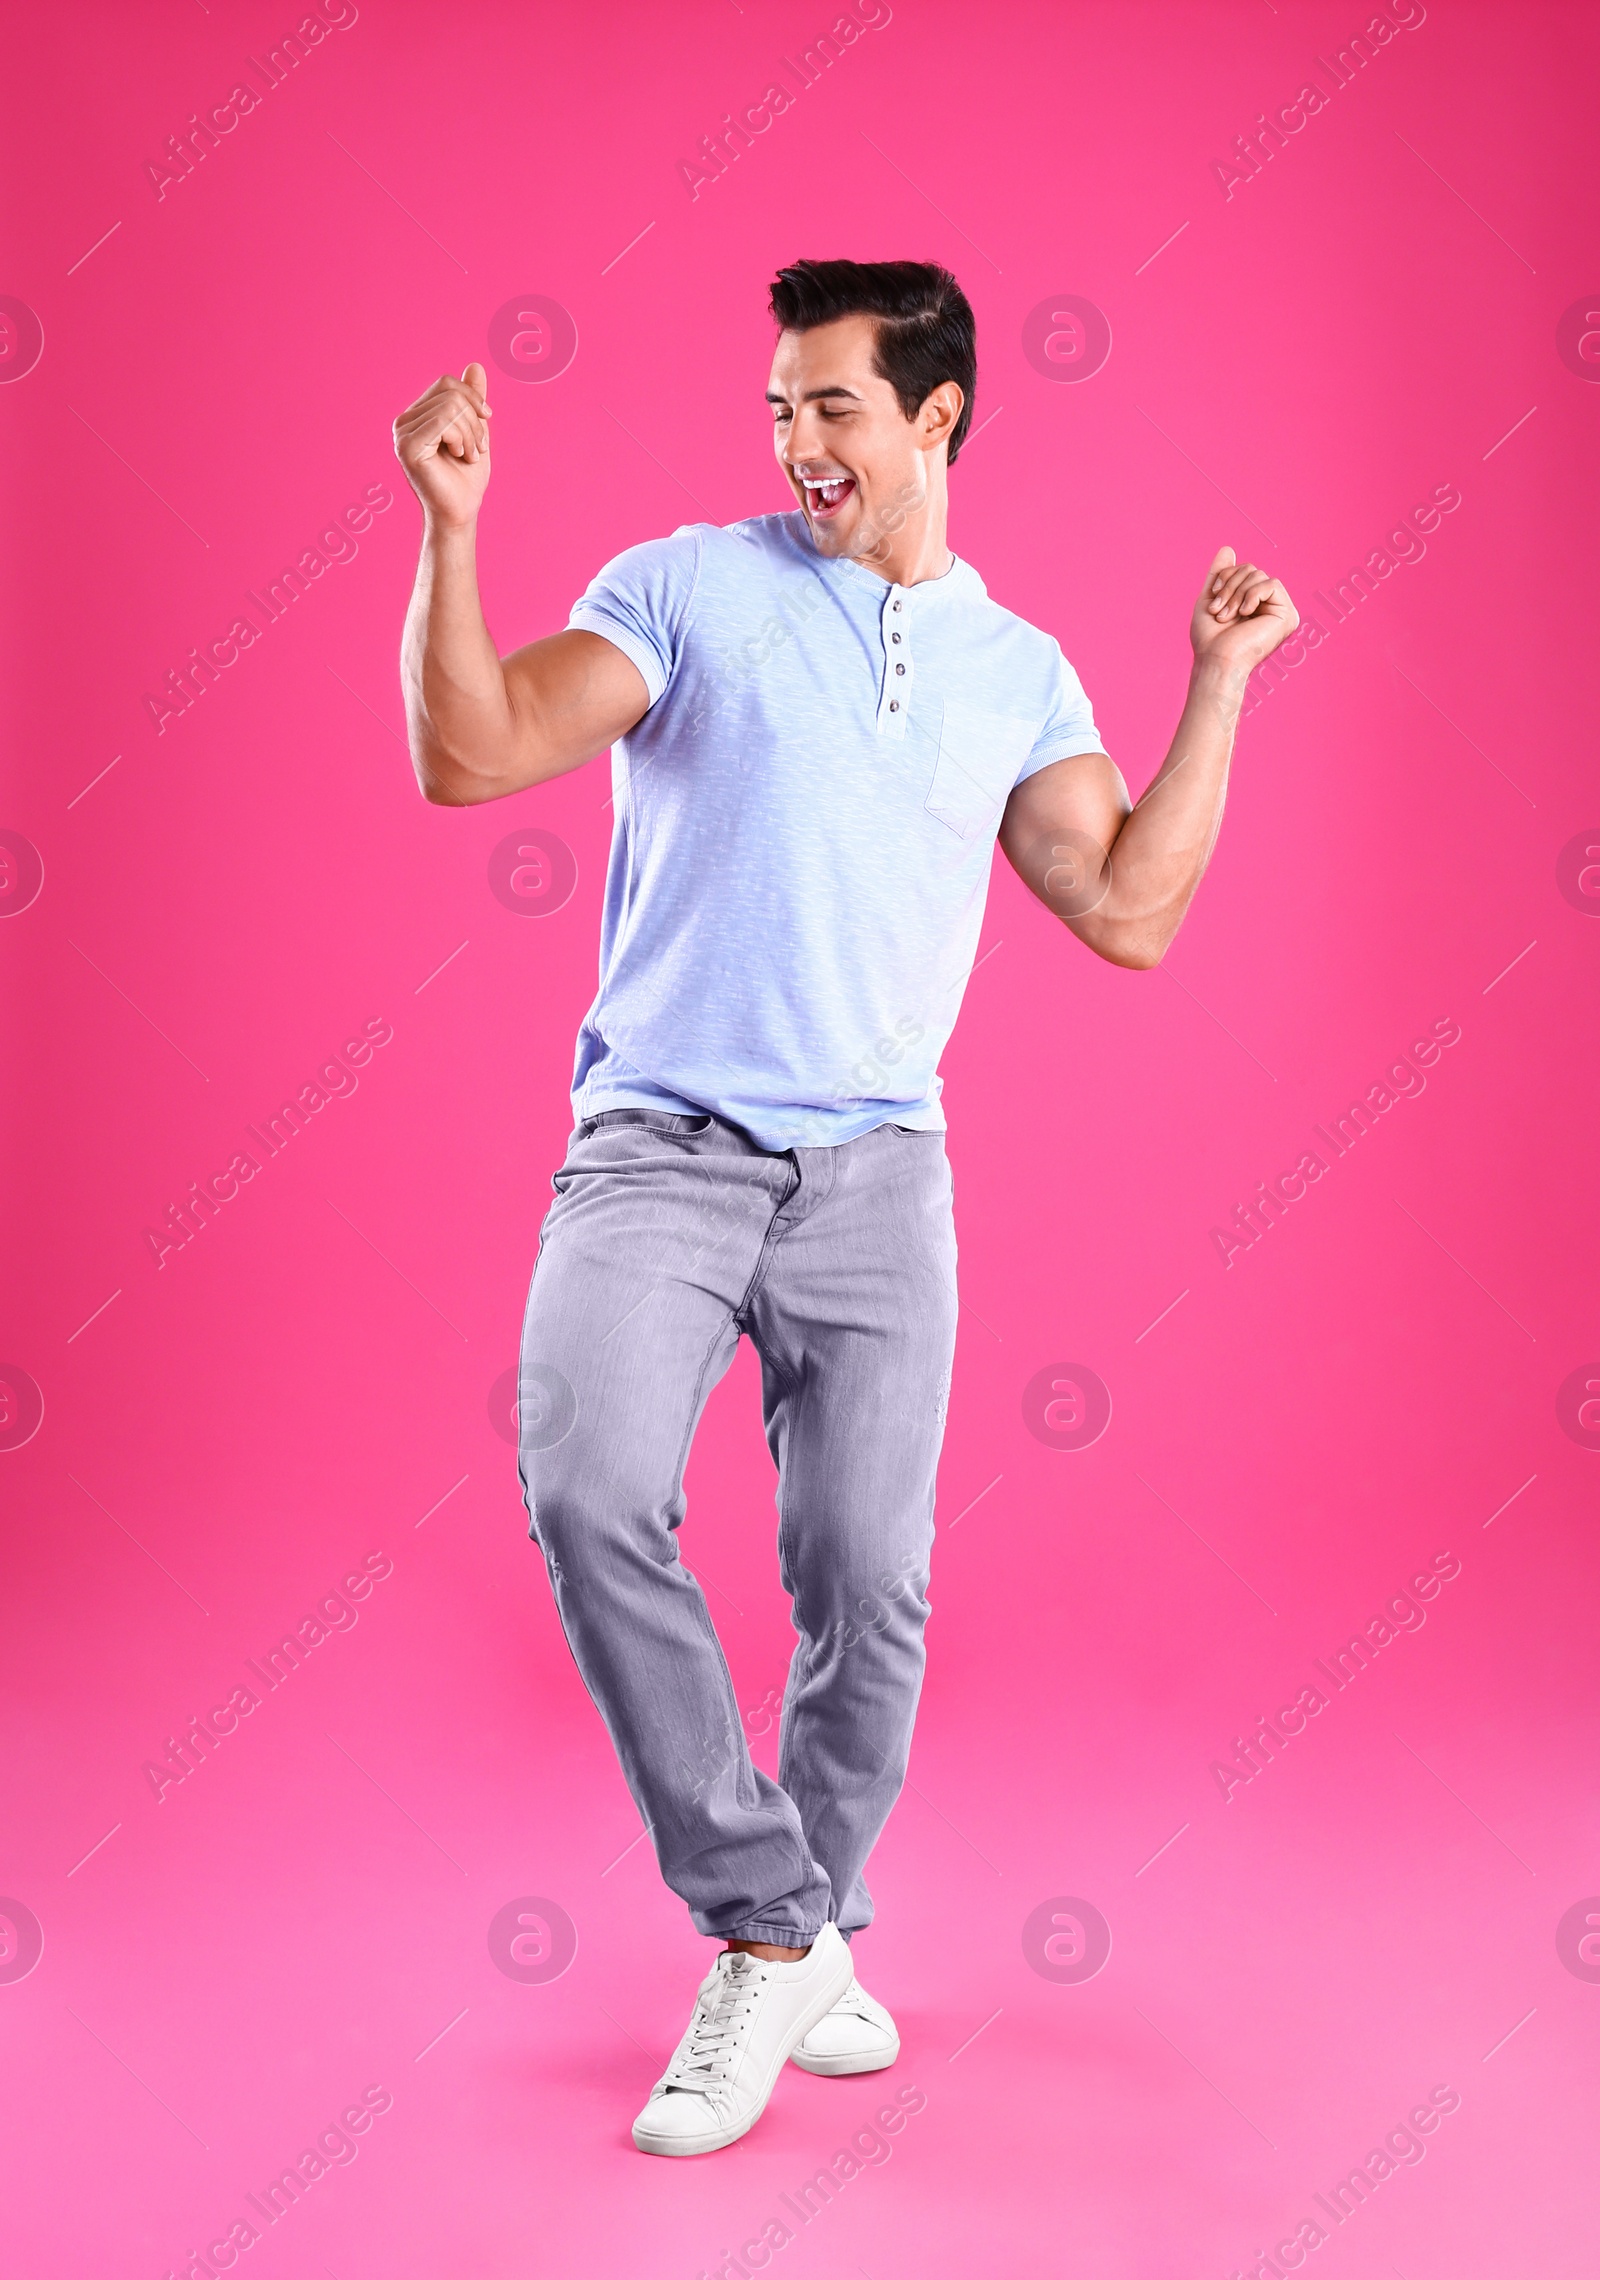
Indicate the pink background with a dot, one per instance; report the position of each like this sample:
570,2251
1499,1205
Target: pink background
308,1381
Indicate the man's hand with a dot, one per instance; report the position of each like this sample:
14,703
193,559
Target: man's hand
442,442
1241,616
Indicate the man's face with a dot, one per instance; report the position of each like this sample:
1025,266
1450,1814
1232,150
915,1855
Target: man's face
857,465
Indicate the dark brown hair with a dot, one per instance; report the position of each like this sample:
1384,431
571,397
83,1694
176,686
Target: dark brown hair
925,328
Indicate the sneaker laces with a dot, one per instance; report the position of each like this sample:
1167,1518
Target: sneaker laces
706,2058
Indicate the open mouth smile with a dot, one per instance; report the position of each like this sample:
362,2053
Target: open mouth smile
826,494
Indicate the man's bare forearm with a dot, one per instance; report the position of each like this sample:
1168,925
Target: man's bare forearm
459,719
1122,875
1158,857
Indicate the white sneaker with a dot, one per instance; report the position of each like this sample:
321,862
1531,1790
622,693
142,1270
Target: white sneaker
748,2017
856,2037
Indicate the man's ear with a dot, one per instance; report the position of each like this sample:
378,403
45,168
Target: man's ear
941,408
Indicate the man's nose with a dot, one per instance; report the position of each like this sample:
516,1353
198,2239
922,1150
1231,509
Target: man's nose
804,443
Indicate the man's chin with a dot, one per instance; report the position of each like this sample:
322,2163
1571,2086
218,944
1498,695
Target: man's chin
836,536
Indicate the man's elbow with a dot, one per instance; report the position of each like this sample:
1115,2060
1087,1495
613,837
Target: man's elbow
433,786
1119,946
1137,939
1135,957
445,782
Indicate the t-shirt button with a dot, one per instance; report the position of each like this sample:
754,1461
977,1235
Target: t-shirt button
899,668
897,605
894,704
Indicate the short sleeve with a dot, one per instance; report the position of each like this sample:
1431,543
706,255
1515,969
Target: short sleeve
1070,727
640,600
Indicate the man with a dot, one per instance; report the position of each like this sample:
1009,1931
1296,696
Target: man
820,723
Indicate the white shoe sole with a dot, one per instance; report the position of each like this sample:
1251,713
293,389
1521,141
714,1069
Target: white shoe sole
861,2062
711,2141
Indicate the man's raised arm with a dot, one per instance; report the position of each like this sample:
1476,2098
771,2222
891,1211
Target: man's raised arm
1122,876
479,728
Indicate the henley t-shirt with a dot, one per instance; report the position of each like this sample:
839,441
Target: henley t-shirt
804,824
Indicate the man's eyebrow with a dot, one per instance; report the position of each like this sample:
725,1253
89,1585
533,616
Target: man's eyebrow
811,395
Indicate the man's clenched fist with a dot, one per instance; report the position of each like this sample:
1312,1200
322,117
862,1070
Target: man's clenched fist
442,442
1242,614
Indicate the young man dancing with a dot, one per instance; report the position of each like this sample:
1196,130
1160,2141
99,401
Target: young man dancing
820,724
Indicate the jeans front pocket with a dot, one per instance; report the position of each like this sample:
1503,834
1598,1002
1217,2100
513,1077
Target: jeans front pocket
652,1119
980,752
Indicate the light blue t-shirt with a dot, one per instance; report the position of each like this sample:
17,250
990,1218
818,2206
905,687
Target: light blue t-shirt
805,820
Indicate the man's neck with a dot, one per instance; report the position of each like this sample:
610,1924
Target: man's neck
904,540
912,559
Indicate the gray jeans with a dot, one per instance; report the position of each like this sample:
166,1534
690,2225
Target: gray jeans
669,1237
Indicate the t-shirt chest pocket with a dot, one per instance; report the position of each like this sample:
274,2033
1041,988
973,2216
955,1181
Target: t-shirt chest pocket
980,753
